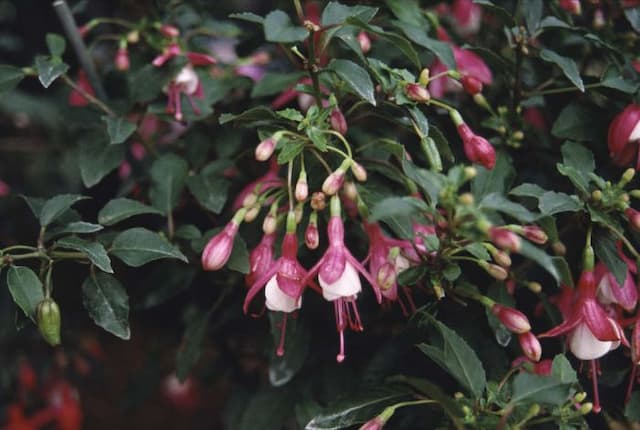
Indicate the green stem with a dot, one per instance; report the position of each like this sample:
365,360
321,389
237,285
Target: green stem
313,67
560,90
17,248
624,240
103,107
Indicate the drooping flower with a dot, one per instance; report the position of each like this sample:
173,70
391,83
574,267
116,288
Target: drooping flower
468,17
218,250
337,272
477,148
260,258
470,66
610,291
76,98
624,136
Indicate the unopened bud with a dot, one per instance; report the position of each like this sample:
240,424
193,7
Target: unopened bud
596,195
338,121
318,201
635,194
121,60
350,191
494,270
598,19
518,135
252,213
530,346
505,239
633,217
466,199
502,258
249,200
502,130
169,31
423,79
358,171
579,397
535,234
133,37
559,248
458,395
265,149
417,92
302,188
48,318
534,287
514,320
311,235
470,172
333,182
364,41
299,212
471,85
386,276
269,224
587,407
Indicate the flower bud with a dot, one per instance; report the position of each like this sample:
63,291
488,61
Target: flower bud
318,201
338,121
358,171
302,188
311,235
466,199
376,423
494,270
333,182
423,79
252,213
505,239
417,92
169,31
633,217
298,211
350,191
502,258
514,320
471,84
559,248
470,172
217,252
534,287
587,407
386,276
364,41
530,346
477,148
535,234
623,136
571,6
48,318
635,194
133,37
580,397
269,224
265,149
249,200
121,60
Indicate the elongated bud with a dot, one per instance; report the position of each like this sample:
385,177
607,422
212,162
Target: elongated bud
269,224
169,31
471,84
466,199
633,217
505,239
417,92
423,79
571,6
133,37
48,318
530,346
535,234
559,248
494,270
302,188
477,148
250,200
265,149
252,213
350,191
299,212
580,397
338,121
470,172
534,287
598,19
514,320
635,343
358,171
121,60
587,407
333,182
311,235
386,276
217,252
318,201
502,258
364,41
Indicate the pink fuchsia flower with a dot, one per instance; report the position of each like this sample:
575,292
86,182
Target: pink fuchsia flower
338,121
76,98
477,148
530,346
610,291
188,83
571,6
121,60
337,273
183,395
168,30
260,258
633,217
468,17
364,41
514,320
471,68
504,239
266,182
217,252
624,136
265,149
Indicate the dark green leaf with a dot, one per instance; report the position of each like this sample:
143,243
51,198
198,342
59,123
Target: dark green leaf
633,16
191,345
499,203
412,275
496,180
97,159
56,44
107,302
528,190
442,50
567,65
612,78
122,208
553,22
532,14
10,77
477,250
498,10
248,16
139,246
210,190
239,258
456,357
430,182
49,69
56,206
579,122
273,83
296,345
563,270
168,176
166,281
119,129
543,259
392,207
336,13
288,149
93,250
278,28
604,245
552,203
408,11
355,77
25,288
632,410
250,118
272,405
554,389
78,227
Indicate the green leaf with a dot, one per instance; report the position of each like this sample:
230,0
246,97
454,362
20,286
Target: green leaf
499,203
477,250
632,410
496,180
10,77
430,182
441,50
168,176
119,129
56,206
77,227
122,208
633,16
567,65
612,78
553,389
25,288
393,207
455,356
604,245
288,149
528,190
259,115
107,302
211,191
191,344
580,123
97,159
278,28
543,259
93,250
56,44
412,275
296,346
552,203
273,83
138,246
248,16
355,77
49,69
498,10
407,11
273,405
532,14
239,258
336,13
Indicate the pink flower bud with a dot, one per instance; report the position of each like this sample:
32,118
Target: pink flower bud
265,149
471,84
302,188
350,191
598,19
333,183
169,31
633,217
124,171
571,6
359,172
530,346
318,201
138,151
624,136
477,148
364,41
535,234
218,250
386,276
338,121
252,213
121,60
269,224
84,30
249,200
514,320
417,92
311,236
376,423
505,239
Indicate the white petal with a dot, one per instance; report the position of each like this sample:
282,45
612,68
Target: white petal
585,346
187,79
635,134
278,300
347,285
605,295
401,263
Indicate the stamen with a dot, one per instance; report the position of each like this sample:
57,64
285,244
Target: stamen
596,395
283,332
340,325
356,325
195,108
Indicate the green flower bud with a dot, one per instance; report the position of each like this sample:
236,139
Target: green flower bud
48,318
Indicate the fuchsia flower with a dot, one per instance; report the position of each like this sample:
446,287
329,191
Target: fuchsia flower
338,276
260,259
571,6
624,136
364,41
76,98
468,17
266,182
591,332
338,121
217,252
477,148
471,67
514,320
5,190
609,291
121,60
504,238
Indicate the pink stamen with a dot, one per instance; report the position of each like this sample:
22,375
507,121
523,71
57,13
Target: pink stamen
632,378
355,323
195,108
283,332
596,395
340,324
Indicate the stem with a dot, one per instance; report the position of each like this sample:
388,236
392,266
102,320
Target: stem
315,152
17,247
624,240
313,67
560,90
103,107
71,29
289,178
66,255
441,104
170,225
342,139
299,10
